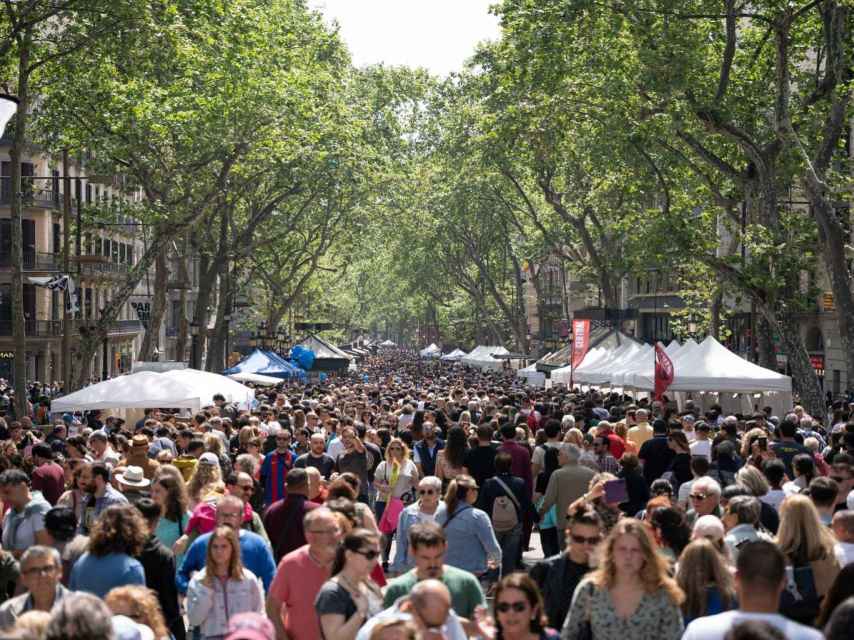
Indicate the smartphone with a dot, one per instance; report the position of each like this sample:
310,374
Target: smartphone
763,443
615,491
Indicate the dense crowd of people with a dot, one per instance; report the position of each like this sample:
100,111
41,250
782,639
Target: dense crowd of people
397,502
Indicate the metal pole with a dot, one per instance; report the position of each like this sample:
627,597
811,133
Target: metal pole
66,267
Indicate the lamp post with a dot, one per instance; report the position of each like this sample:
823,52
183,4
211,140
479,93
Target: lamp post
194,333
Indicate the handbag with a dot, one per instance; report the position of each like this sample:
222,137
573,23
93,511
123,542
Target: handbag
391,513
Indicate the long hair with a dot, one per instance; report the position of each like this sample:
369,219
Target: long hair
204,475
701,565
118,529
801,536
841,590
523,583
753,479
235,566
457,492
144,605
455,447
353,541
653,575
402,444
177,500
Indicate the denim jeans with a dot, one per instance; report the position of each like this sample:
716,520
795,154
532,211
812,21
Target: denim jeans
509,542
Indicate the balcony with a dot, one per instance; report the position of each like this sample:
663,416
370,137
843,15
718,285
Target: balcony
104,269
34,261
35,328
36,193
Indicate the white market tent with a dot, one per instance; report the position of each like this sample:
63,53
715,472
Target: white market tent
531,376
454,356
132,391
181,389
256,378
387,344
432,351
481,358
601,373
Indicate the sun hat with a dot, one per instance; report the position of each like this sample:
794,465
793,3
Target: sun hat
133,477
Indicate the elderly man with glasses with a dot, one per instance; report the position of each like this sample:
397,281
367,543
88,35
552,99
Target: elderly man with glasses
41,572
705,499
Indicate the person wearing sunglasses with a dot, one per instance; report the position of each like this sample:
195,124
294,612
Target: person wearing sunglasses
350,597
424,509
518,610
558,575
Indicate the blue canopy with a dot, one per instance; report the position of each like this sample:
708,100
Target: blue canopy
267,363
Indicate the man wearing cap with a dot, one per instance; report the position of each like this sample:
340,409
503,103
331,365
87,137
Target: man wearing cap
138,456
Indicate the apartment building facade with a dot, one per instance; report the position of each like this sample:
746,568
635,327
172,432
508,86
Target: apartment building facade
108,250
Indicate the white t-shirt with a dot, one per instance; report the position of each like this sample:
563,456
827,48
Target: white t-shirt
702,448
716,627
845,552
335,448
407,478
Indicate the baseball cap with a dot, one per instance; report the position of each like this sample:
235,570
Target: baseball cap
208,458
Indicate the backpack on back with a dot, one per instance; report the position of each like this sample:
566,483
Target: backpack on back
505,516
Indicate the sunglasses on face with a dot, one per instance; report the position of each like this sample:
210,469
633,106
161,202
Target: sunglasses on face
518,606
698,496
426,492
838,479
370,554
582,540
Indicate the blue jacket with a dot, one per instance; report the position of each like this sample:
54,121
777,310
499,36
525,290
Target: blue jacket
409,516
471,539
254,552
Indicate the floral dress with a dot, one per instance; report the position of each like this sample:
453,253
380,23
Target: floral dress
656,618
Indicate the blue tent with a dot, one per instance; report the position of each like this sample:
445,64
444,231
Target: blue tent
266,363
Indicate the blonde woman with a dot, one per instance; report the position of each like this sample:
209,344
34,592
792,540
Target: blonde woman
630,594
223,588
206,479
807,543
705,579
140,604
395,477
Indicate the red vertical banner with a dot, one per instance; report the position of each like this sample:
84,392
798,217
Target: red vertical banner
580,341
663,371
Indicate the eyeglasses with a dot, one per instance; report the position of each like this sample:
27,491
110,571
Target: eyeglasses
582,540
370,554
247,487
698,496
325,532
426,492
519,606
838,479
45,570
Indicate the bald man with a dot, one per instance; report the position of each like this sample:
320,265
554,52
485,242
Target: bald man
428,605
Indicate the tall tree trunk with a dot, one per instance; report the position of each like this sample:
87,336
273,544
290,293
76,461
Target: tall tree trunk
19,327
158,307
765,344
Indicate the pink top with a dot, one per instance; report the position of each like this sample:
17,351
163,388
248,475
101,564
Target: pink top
297,583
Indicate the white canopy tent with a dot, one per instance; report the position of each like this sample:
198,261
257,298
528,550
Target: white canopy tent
180,388
481,358
132,391
256,378
531,376
208,384
454,356
432,351
601,373
387,344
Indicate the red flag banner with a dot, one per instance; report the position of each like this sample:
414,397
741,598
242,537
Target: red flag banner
663,371
580,341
